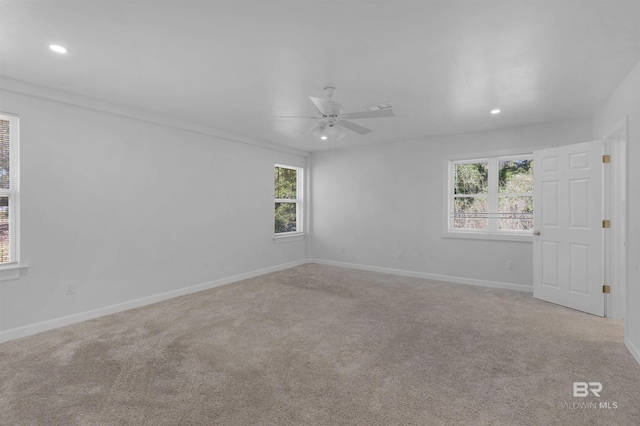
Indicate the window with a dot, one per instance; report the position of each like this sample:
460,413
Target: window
9,139
288,200
490,196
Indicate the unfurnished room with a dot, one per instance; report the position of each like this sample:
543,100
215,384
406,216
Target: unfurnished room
319,212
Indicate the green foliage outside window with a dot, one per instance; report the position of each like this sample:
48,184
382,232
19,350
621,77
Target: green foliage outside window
285,188
514,195
285,217
285,183
471,178
515,211
515,176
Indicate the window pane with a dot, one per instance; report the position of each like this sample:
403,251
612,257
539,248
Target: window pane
515,213
285,217
470,213
4,154
4,229
471,178
516,176
285,181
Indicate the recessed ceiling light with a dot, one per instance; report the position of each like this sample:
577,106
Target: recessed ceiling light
495,111
323,137
58,49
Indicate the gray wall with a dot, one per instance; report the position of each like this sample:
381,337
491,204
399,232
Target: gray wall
127,209
370,204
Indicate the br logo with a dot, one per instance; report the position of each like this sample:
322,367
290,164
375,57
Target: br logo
582,389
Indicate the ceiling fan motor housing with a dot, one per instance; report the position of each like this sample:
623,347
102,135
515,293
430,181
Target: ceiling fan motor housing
336,108
329,92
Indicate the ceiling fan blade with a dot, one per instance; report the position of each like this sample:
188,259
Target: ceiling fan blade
388,112
354,127
312,129
297,116
322,105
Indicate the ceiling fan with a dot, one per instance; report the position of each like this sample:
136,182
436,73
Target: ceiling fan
333,119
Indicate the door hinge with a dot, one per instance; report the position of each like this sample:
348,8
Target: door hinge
606,289
606,158
606,223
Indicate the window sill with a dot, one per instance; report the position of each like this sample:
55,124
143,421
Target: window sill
288,237
526,238
11,271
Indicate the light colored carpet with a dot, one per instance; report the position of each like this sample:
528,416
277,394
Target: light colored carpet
320,345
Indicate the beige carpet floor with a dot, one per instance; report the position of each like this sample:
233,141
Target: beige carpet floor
320,345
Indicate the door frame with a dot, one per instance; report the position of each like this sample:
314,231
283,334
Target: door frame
615,208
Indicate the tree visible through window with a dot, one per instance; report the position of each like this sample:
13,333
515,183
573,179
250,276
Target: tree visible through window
515,195
287,197
492,194
471,199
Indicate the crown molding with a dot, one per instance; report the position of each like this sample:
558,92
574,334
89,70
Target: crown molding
51,94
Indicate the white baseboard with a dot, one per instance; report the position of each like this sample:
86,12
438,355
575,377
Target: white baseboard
633,349
30,329
447,278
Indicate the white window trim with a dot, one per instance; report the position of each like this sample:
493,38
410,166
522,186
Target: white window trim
13,193
288,237
299,201
447,194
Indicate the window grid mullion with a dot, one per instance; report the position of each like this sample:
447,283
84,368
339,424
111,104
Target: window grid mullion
493,194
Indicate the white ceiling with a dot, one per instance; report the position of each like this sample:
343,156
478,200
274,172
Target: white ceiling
234,65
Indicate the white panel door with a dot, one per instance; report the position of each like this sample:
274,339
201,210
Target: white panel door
567,242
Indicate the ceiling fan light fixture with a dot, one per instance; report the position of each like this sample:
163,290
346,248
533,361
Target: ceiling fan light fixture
320,131
325,130
58,49
338,134
331,129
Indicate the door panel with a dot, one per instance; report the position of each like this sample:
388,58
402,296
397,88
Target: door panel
567,250
550,262
549,203
579,279
579,199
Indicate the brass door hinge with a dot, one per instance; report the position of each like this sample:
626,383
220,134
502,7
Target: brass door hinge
606,223
606,158
606,289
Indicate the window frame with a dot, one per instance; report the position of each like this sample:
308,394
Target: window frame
13,193
298,201
493,159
